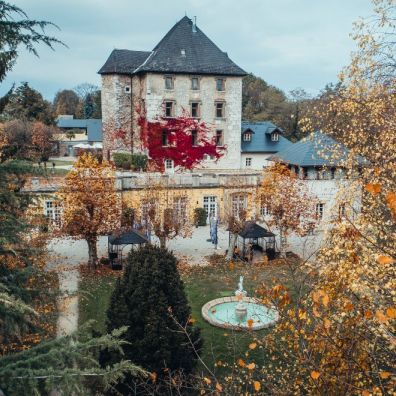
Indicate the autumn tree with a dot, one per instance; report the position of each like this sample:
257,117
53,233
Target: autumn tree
66,102
42,140
236,209
165,211
338,336
16,136
90,202
261,101
287,202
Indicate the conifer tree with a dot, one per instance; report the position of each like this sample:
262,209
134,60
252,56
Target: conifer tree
151,301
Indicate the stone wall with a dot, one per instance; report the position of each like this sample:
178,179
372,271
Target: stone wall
155,94
116,113
119,109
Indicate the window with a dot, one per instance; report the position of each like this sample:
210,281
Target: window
248,162
165,136
219,109
220,84
195,83
195,110
239,205
169,109
247,137
127,89
168,164
194,137
53,212
275,136
304,173
264,211
319,211
180,207
219,138
169,82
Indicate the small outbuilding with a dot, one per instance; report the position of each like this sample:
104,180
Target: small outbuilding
252,238
117,243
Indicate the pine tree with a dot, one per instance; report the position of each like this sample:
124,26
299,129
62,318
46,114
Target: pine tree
151,301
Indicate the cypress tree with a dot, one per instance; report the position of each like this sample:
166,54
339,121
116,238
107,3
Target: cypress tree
145,299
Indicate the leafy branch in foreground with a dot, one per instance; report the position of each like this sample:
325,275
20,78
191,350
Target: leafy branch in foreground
68,363
14,33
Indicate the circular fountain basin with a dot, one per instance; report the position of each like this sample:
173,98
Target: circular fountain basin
221,313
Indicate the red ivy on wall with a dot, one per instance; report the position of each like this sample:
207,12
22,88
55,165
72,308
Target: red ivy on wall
173,138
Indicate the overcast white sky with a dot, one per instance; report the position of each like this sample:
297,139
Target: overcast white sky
289,43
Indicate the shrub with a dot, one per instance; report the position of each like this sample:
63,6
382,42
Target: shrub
144,299
130,161
120,158
139,161
200,216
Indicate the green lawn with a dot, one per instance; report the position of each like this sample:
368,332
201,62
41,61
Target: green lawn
94,293
202,284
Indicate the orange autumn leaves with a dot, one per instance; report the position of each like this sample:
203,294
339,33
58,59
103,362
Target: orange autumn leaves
390,197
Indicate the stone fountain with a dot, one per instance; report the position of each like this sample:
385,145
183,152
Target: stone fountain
239,312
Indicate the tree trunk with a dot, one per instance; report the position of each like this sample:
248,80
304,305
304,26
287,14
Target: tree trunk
231,246
282,244
92,252
162,242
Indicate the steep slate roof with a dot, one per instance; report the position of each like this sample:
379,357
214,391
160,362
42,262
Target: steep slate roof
92,126
317,149
261,138
122,61
201,55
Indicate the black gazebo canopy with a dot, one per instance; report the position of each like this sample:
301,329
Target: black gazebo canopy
130,237
117,242
252,230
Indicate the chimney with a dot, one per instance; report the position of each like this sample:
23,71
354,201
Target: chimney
194,25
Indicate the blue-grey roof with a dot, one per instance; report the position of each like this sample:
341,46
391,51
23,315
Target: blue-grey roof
123,61
317,149
261,138
184,49
92,126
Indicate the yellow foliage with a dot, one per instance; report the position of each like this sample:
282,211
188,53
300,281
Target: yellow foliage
385,260
373,188
315,375
257,386
253,345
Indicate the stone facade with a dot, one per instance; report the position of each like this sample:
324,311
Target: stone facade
123,95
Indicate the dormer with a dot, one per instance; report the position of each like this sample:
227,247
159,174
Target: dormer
273,134
247,135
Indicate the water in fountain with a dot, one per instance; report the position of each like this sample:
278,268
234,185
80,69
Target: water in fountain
239,312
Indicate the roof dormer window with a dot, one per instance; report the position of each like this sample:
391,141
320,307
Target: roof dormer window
247,136
275,137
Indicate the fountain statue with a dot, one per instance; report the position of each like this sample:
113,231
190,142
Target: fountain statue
240,308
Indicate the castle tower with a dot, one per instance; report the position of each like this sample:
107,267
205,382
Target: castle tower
185,70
